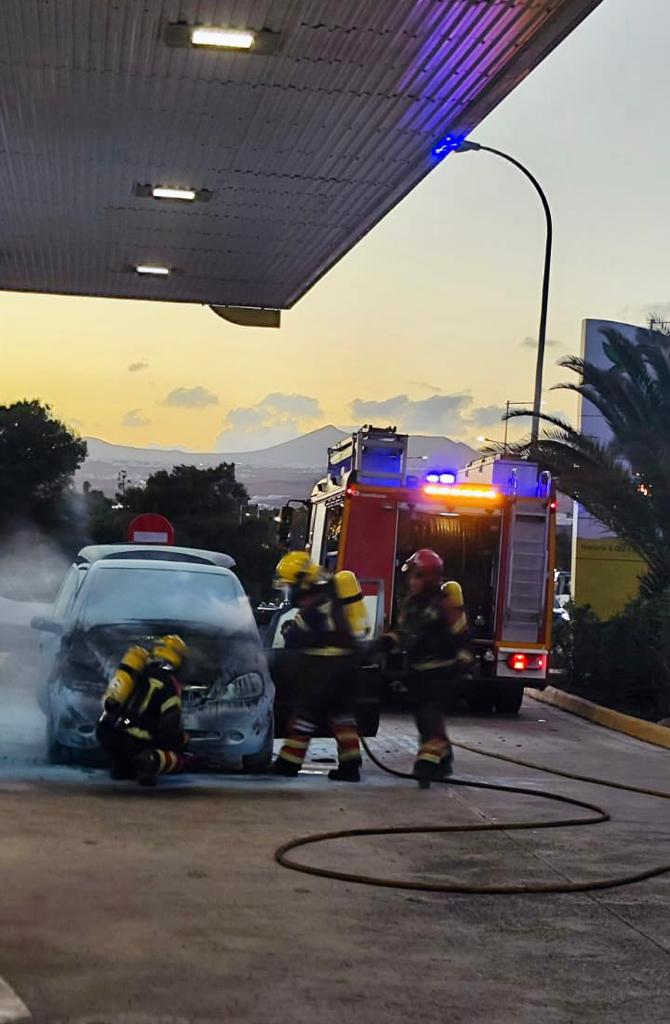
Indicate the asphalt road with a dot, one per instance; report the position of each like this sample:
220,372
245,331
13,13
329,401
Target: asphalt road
122,905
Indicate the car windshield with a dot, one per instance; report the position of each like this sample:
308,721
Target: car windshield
124,594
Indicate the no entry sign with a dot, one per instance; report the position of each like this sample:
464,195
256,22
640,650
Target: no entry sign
150,528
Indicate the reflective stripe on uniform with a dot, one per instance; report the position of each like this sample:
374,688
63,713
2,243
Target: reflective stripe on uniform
426,666
171,702
153,686
139,734
328,652
434,750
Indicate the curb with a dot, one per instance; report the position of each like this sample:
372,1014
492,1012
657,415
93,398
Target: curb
638,728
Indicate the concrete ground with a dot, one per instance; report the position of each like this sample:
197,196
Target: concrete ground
122,905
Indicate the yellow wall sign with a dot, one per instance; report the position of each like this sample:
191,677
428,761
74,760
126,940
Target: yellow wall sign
607,575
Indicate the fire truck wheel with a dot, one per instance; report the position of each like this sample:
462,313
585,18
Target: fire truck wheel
508,698
480,700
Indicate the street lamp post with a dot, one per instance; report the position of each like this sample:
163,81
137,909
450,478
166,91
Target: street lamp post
465,146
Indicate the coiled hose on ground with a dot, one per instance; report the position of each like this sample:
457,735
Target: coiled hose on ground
596,816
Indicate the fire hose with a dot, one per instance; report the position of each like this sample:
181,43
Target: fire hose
597,815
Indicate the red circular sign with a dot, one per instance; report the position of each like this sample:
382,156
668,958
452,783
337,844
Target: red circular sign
150,528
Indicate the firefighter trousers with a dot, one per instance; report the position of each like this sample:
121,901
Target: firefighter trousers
123,749
427,691
326,699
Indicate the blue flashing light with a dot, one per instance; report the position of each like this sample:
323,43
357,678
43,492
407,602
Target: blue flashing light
447,145
441,476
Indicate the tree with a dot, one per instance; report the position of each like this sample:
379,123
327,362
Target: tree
38,458
204,506
624,483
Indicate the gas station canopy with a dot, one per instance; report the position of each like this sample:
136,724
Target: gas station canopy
143,156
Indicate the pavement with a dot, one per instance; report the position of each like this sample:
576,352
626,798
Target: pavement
125,906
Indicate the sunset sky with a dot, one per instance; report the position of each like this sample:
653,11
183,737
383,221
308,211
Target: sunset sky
429,323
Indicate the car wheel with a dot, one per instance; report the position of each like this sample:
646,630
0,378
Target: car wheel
260,762
508,698
56,752
480,700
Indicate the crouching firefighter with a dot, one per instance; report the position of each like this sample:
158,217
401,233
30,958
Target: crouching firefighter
433,631
141,726
330,623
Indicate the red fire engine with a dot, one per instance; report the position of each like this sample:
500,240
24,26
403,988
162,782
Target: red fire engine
493,524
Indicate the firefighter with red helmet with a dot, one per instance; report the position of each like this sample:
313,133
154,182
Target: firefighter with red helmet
323,636
433,632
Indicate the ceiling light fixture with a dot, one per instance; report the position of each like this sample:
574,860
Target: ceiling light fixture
222,38
211,37
152,268
173,193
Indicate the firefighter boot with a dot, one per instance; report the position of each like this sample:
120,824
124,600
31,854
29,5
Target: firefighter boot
424,773
446,766
147,767
347,771
286,768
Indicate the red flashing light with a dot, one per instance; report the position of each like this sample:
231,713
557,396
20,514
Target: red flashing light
520,662
351,492
553,505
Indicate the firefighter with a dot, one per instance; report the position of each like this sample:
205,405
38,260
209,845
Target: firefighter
433,631
141,726
323,636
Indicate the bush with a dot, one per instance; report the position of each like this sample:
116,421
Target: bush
623,662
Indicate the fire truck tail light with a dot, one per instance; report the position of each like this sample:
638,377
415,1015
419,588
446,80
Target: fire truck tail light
527,662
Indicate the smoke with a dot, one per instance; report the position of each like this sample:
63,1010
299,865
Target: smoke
31,570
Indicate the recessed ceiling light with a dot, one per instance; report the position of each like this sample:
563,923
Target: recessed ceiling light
152,268
159,192
223,38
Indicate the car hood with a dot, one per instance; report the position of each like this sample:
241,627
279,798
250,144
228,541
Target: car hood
212,655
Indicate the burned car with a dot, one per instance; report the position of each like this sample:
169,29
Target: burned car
113,597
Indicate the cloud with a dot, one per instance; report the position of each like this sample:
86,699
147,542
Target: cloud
455,415
141,364
133,418
550,343
190,398
277,418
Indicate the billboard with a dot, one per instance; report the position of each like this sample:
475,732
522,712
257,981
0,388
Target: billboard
605,571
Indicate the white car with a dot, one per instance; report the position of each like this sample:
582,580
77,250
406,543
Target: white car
115,595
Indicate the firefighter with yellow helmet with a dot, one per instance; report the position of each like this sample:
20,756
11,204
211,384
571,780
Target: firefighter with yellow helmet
433,632
329,624
141,724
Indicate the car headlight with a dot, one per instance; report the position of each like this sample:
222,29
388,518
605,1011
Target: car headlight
242,688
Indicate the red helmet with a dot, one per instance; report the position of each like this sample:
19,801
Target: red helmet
426,563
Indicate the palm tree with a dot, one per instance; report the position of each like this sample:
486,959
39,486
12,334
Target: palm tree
624,483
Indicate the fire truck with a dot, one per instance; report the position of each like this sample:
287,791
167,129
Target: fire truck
492,522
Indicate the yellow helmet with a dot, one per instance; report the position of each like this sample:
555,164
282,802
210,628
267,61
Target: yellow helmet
170,648
297,569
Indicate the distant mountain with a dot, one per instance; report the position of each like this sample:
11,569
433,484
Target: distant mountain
271,475
307,450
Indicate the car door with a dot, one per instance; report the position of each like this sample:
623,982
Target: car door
49,643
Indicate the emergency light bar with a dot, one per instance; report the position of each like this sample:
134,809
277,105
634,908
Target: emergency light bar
484,491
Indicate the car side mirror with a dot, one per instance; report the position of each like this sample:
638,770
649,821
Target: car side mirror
46,625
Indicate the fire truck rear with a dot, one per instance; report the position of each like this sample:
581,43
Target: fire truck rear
493,524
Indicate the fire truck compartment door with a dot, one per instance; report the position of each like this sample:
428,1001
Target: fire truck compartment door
525,586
